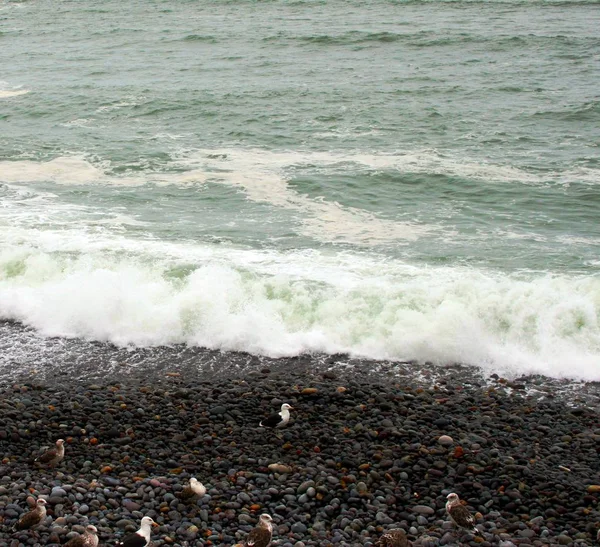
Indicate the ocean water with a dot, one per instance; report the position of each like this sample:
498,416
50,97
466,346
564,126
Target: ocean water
394,180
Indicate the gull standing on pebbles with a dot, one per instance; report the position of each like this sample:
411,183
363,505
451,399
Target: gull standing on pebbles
88,539
141,538
393,538
192,491
52,457
33,518
278,419
262,534
460,514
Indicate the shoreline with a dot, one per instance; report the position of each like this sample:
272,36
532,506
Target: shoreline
523,453
55,360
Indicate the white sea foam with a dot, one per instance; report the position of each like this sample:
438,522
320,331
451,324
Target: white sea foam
78,122
264,173
62,170
7,93
277,304
264,177
131,100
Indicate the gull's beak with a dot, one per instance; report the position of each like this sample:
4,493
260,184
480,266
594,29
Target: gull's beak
155,525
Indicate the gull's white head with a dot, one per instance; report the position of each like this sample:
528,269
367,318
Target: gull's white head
285,406
265,520
452,498
197,486
147,522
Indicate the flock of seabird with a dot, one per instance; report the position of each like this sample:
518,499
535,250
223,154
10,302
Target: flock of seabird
260,536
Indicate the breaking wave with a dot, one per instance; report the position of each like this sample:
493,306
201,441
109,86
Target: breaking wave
151,293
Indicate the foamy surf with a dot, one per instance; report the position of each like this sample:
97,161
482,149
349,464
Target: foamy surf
282,304
7,93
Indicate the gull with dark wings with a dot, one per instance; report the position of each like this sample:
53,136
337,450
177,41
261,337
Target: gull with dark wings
141,538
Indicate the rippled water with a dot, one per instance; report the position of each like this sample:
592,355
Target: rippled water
397,180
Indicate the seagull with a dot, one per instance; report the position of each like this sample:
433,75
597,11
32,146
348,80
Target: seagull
192,491
262,534
141,538
88,539
393,538
33,518
460,514
52,457
279,419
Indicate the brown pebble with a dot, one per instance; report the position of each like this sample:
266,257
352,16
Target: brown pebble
280,468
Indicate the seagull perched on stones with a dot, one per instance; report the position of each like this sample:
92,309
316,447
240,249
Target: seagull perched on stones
88,539
141,538
460,514
261,535
278,419
53,456
33,518
194,490
393,538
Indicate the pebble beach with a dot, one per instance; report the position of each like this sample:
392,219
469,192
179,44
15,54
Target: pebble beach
362,454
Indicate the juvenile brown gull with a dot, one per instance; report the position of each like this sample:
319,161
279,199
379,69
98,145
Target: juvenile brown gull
53,456
194,490
88,539
33,518
460,514
261,535
393,538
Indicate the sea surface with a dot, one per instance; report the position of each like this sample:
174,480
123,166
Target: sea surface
392,180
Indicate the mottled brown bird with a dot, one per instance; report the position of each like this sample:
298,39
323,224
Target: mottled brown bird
262,534
460,514
52,457
393,538
88,539
193,491
33,518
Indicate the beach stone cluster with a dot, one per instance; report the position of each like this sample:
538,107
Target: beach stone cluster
358,458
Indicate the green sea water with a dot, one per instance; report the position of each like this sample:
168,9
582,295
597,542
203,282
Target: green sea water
398,180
